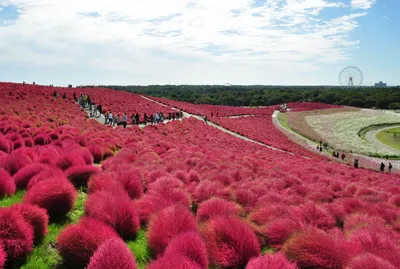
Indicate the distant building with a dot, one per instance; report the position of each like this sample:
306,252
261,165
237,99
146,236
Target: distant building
380,84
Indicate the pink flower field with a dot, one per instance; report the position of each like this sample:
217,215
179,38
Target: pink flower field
79,194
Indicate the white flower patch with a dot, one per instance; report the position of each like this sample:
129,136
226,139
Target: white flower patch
340,130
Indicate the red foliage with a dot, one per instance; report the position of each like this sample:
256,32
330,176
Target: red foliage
7,184
3,256
16,161
47,173
167,224
55,195
5,145
78,242
230,241
271,261
216,207
113,254
313,248
23,176
105,182
116,210
97,153
79,174
15,234
279,230
175,262
131,180
315,216
369,261
269,212
70,159
37,217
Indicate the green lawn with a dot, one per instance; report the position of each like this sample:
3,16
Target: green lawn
390,137
282,118
16,198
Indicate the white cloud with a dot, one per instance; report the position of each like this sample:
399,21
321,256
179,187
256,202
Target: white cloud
188,41
362,4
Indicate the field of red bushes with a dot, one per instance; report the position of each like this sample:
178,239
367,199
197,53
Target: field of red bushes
203,198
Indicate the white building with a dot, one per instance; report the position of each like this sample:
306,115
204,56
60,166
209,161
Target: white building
380,84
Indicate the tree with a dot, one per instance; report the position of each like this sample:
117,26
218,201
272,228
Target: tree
394,106
357,103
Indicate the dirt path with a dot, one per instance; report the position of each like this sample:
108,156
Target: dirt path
371,137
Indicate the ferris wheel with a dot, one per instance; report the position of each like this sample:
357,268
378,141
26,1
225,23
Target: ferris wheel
351,76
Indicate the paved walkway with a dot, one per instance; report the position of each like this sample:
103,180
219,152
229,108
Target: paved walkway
371,137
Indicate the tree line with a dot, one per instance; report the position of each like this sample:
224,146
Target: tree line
257,95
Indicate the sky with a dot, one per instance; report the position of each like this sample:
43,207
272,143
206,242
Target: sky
246,42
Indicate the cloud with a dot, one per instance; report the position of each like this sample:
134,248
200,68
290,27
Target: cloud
183,40
362,4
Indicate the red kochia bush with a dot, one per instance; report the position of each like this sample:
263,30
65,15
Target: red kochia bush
15,234
79,175
175,262
189,245
78,242
216,207
48,172
369,261
16,161
3,256
313,248
271,261
7,184
131,180
23,176
230,241
97,153
167,224
112,254
55,195
70,159
116,210
37,217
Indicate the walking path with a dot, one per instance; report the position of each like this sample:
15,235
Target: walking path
371,137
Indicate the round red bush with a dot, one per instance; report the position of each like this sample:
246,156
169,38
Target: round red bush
216,207
15,234
116,210
3,256
369,261
167,224
55,195
37,217
79,175
313,248
23,176
105,182
47,173
16,161
113,253
230,241
131,180
97,153
7,184
189,245
70,159
175,262
78,242
271,261
5,145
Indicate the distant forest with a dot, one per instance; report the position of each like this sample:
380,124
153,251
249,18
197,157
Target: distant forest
366,97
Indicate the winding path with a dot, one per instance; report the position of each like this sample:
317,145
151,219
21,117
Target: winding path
371,137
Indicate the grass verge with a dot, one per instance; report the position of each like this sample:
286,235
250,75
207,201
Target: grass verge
390,137
16,198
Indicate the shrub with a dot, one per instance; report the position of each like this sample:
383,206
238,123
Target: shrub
48,172
271,261
105,181
3,256
279,230
167,224
55,195
16,161
116,210
175,262
15,234
216,207
37,217
78,242
79,175
131,180
85,154
5,145
370,261
97,153
230,241
314,215
7,184
269,212
112,254
313,248
23,176
189,245
70,159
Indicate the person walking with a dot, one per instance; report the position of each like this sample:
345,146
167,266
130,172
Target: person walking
124,120
382,167
390,167
355,163
110,118
343,156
